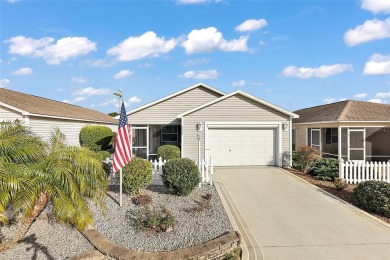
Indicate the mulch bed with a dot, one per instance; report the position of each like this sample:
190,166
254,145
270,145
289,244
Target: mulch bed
345,194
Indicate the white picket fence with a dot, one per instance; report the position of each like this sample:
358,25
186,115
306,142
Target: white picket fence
355,172
206,171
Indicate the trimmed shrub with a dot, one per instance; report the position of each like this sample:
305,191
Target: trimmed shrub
340,184
326,169
181,176
95,137
137,175
373,196
306,157
104,154
168,152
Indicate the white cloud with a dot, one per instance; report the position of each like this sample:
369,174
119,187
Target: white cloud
321,72
370,30
342,99
12,1
53,53
377,64
328,100
382,95
134,100
110,102
251,25
239,83
78,99
90,91
123,74
201,74
100,63
360,95
145,65
23,71
209,39
79,80
67,101
146,45
194,62
376,100
4,83
376,6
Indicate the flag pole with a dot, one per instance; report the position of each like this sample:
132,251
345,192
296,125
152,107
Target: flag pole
120,187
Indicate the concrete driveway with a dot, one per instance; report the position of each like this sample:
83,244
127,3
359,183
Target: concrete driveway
282,217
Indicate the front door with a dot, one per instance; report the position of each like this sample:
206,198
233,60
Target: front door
140,141
356,145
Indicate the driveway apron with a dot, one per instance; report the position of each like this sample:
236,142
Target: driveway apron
282,217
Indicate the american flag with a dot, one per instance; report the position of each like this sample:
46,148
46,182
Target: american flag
122,154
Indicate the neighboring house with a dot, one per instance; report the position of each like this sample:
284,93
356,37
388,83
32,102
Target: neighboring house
234,129
360,130
42,115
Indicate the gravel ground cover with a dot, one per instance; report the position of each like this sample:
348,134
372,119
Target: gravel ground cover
329,187
192,227
46,240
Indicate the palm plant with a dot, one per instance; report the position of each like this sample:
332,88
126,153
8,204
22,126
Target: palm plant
35,173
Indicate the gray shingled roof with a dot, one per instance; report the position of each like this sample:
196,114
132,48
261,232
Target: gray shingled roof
349,110
43,106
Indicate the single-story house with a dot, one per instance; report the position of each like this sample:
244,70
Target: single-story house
233,129
42,115
348,130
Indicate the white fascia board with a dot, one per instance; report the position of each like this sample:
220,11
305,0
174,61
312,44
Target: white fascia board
174,95
74,119
245,95
14,108
344,122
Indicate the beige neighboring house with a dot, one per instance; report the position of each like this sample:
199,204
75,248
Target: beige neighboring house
42,115
360,130
235,129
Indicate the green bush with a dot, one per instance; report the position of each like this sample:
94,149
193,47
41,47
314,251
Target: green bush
306,157
95,137
340,184
373,196
157,220
168,152
137,175
180,176
326,169
104,154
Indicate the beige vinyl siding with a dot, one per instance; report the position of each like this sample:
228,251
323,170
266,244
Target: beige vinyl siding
236,108
165,112
8,114
70,128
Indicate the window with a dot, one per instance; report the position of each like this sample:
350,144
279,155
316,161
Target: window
332,136
169,133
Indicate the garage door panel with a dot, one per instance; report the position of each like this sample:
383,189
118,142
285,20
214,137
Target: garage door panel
234,147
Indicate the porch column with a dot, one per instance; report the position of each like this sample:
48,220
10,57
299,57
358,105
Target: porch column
339,142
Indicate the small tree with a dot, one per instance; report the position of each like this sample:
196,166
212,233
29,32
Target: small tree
306,157
95,137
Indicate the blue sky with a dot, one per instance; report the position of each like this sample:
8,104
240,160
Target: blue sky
294,54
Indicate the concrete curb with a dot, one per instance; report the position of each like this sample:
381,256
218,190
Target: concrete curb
93,255
344,203
212,249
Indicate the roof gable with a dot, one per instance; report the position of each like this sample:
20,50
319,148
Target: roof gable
239,92
39,106
349,110
198,85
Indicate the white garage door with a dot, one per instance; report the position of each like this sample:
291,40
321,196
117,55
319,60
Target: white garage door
234,147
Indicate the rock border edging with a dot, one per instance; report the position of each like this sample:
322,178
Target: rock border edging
212,249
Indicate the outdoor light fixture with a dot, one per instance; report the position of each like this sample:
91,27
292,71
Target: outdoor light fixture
199,127
285,126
